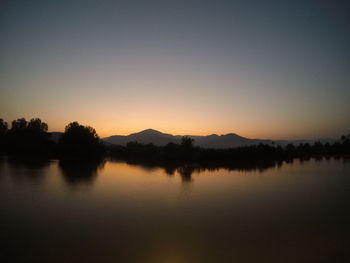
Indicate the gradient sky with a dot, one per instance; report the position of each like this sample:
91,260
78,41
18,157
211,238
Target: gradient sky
263,69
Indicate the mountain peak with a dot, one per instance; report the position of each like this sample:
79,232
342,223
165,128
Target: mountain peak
149,131
160,139
233,135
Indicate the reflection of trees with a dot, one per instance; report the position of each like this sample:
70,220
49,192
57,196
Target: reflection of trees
80,171
185,172
170,170
186,169
346,161
27,168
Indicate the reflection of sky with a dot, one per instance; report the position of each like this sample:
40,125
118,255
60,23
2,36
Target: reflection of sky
272,70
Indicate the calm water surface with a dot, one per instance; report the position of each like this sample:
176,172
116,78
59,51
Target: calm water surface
53,211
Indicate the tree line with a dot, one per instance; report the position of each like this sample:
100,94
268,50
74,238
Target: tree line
32,137
254,154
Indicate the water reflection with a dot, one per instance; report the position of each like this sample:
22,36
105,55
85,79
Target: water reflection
24,168
168,213
80,171
186,170
77,171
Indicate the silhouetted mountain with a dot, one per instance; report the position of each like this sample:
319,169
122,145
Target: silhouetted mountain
146,136
230,140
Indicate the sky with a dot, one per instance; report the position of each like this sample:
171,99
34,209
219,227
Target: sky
261,69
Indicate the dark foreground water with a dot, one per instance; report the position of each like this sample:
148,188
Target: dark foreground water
54,211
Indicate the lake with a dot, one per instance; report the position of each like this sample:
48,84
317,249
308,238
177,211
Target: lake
111,211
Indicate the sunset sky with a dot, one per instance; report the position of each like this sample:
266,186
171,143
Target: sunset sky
261,69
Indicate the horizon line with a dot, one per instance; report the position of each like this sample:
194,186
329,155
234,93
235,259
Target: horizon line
223,134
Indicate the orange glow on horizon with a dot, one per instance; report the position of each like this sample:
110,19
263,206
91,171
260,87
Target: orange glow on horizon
192,124
247,131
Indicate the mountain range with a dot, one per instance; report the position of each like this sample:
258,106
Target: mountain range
230,140
158,138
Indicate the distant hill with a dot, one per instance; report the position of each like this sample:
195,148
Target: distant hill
158,138
146,136
229,140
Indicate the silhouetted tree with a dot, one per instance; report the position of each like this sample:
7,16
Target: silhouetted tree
261,155
19,124
3,131
37,125
290,148
345,139
28,137
3,127
346,143
17,137
187,142
170,151
83,141
80,141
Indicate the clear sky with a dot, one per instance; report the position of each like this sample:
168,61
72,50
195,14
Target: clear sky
263,69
